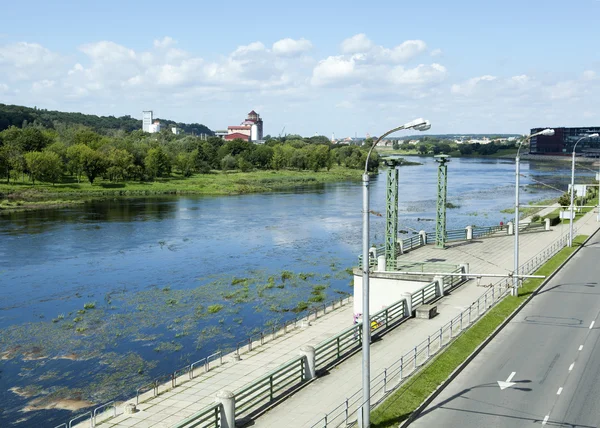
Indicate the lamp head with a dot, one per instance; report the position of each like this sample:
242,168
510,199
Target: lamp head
417,124
595,135
424,126
548,132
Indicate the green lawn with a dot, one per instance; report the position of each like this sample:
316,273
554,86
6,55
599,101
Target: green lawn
399,406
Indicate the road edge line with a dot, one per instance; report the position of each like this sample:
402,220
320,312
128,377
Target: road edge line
488,339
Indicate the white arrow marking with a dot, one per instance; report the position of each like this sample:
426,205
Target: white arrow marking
545,419
508,383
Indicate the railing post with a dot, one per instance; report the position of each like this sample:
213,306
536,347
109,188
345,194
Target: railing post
401,367
384,380
415,357
346,412
428,344
461,321
470,314
308,352
441,337
227,401
387,319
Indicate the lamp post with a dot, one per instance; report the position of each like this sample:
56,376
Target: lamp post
573,186
419,125
548,132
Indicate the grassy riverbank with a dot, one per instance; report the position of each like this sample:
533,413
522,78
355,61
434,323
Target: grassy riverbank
400,405
25,195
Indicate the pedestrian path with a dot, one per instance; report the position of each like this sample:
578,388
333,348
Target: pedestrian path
491,255
307,406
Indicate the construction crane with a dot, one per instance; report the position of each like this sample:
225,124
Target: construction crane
281,133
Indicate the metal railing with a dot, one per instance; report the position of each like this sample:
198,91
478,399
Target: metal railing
424,295
405,266
412,243
481,232
392,377
349,340
209,417
531,227
270,387
456,235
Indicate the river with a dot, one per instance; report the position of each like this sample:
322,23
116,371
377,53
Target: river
98,299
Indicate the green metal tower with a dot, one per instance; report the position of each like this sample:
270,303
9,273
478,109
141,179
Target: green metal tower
442,187
391,213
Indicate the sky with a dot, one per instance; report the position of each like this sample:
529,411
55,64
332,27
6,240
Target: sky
312,67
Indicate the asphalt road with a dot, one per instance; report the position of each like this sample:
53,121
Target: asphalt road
553,348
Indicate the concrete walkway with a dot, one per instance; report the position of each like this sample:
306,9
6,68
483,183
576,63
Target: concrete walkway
490,255
303,409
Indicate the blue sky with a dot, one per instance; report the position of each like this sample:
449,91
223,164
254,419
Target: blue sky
314,67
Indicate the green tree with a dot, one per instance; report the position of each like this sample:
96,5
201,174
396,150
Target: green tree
157,163
278,161
228,163
75,159
94,163
186,162
396,145
119,163
43,166
422,149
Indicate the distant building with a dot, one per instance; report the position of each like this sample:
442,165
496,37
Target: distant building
146,120
222,133
175,130
250,129
563,140
155,127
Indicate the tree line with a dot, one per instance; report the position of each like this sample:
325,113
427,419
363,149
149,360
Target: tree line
21,117
75,153
428,145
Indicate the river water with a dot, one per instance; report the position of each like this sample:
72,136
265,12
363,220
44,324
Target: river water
98,299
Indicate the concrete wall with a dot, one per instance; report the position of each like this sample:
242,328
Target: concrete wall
383,292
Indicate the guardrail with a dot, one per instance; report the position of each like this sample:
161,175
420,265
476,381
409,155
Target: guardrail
531,227
209,417
426,294
412,243
481,232
404,266
456,235
270,387
391,378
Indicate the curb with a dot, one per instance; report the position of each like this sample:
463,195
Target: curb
476,352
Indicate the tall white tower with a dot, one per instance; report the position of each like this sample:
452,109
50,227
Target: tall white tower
146,120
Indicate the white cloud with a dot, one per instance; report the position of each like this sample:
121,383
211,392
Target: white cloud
3,87
422,74
291,47
165,42
334,69
436,52
471,85
26,61
108,52
590,75
42,85
357,44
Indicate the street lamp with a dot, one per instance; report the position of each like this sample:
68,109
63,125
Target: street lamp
573,186
420,125
548,132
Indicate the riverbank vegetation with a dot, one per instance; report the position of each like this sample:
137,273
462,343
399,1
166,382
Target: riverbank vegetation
434,146
73,162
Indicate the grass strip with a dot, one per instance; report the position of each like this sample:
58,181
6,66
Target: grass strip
400,405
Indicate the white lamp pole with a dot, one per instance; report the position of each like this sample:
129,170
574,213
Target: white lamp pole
419,125
573,187
547,132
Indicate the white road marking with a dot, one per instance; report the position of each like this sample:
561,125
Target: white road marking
559,391
545,419
503,385
592,324
580,347
571,366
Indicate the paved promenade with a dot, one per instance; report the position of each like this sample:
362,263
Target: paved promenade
303,409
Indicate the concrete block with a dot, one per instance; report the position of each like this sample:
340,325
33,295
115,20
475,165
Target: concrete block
426,311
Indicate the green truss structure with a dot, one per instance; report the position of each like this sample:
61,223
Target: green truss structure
442,188
391,213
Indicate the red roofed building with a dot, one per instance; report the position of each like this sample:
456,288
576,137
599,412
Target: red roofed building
250,129
236,135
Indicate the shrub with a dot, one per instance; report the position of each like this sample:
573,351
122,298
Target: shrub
89,305
535,218
554,219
